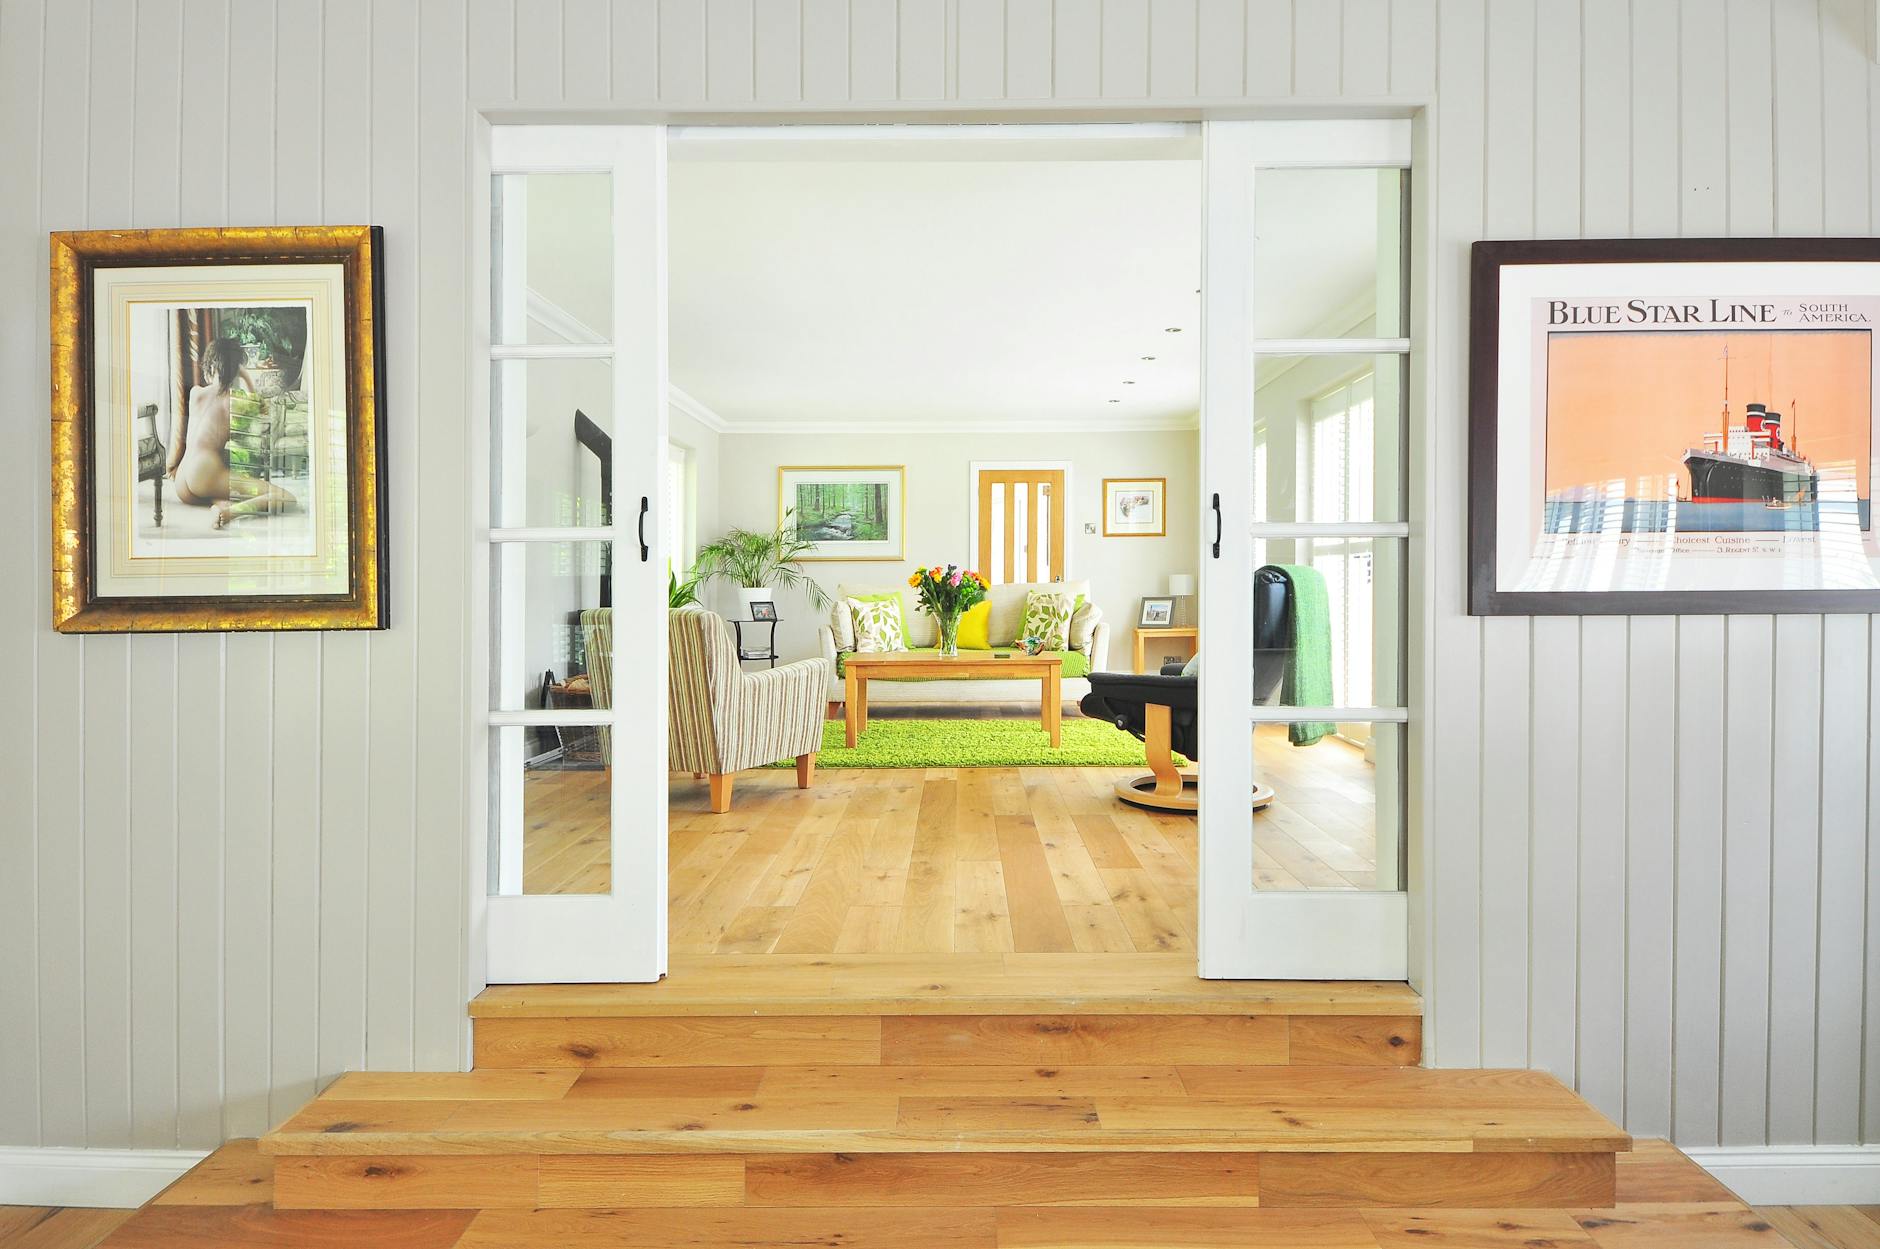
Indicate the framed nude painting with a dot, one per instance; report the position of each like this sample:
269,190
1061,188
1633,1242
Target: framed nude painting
217,435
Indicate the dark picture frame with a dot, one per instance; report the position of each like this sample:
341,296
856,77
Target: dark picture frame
1486,419
210,268
763,611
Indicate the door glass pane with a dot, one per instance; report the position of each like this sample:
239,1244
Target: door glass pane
1328,806
1359,628
551,810
1328,438
551,258
1328,251
553,626
551,455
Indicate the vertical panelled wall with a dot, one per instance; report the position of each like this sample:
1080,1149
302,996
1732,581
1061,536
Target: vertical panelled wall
234,866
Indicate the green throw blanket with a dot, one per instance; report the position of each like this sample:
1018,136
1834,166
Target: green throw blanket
1309,674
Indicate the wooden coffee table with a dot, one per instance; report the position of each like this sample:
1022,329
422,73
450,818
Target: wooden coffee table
1047,670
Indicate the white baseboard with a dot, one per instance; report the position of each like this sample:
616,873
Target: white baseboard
119,1178
1796,1175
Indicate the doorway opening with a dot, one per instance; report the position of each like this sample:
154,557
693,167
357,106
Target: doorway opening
901,370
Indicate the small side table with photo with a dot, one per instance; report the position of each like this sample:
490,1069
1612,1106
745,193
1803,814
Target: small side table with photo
1156,621
761,614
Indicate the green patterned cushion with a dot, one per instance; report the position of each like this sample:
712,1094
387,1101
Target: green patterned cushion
877,625
1048,616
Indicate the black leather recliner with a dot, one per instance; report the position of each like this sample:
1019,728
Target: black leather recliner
1164,710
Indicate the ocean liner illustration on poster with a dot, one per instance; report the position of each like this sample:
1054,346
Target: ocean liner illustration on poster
1748,472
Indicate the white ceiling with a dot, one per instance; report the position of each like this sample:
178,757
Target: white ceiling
952,293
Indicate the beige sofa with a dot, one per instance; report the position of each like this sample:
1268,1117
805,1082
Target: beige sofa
1089,646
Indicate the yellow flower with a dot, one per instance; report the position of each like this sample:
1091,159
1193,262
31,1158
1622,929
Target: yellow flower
914,580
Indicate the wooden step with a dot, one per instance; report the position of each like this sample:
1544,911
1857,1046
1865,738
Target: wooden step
1662,1199
995,1009
980,1135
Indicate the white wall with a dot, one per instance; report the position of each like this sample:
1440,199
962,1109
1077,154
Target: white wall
939,486
1648,844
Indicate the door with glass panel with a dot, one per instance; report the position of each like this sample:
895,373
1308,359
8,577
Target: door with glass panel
578,472
1018,521
1303,703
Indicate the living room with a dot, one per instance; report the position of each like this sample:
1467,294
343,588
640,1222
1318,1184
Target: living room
1026,427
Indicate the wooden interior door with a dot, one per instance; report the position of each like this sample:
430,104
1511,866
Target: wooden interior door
1021,524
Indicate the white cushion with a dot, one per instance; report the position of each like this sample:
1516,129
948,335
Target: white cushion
877,626
1083,625
1048,616
917,627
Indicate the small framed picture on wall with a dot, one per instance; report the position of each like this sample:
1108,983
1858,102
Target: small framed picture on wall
1135,507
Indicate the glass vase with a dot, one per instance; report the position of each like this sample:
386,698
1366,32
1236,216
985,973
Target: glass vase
949,622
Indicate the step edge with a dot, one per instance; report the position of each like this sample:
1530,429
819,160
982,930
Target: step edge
499,1144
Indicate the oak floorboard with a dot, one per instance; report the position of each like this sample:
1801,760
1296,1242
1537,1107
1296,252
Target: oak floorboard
689,1041
1658,1172
1476,1229
1142,1227
1823,1227
69,1228
1730,1225
706,1228
1056,1040
237,1174
263,1227
1037,909
1003,1180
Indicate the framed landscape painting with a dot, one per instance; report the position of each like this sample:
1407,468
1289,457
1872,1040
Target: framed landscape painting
217,447
849,512
1673,426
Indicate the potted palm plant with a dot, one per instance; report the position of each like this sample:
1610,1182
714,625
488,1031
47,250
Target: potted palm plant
759,562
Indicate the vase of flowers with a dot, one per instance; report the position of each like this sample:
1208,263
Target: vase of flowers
947,591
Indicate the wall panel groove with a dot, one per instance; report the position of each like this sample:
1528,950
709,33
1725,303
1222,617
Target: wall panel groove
236,865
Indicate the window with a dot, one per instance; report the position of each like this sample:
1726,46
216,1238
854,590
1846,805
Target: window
681,508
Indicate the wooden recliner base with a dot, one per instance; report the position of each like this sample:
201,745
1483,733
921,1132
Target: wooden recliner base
1165,787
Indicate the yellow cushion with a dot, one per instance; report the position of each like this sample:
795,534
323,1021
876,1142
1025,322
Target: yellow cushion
974,626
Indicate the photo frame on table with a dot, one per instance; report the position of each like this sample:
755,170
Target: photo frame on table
847,511
1156,613
1135,507
1665,426
218,446
761,610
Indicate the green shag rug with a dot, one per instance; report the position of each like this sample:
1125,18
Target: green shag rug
979,744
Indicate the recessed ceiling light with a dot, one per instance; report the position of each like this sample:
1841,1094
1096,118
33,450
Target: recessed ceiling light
1129,383
1173,329
1148,357
1116,401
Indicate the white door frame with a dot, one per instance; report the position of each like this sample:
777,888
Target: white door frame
1227,322
619,935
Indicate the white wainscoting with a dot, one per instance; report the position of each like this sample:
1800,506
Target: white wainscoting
233,866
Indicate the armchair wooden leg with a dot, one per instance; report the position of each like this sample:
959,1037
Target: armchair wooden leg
805,769
721,791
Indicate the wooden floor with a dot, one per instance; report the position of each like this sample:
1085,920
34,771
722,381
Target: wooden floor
1664,1202
944,860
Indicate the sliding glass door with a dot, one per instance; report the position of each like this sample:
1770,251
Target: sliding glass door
575,662
1303,702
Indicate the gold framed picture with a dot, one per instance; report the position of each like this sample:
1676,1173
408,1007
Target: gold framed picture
1135,507
217,437
855,512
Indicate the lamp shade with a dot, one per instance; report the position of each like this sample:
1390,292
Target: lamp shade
1180,584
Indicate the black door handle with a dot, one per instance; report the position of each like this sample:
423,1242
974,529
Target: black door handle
1217,526
645,551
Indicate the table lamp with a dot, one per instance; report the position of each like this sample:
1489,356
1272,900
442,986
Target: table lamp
1181,588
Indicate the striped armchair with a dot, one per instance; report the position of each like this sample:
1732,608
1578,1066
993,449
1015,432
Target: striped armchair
724,719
